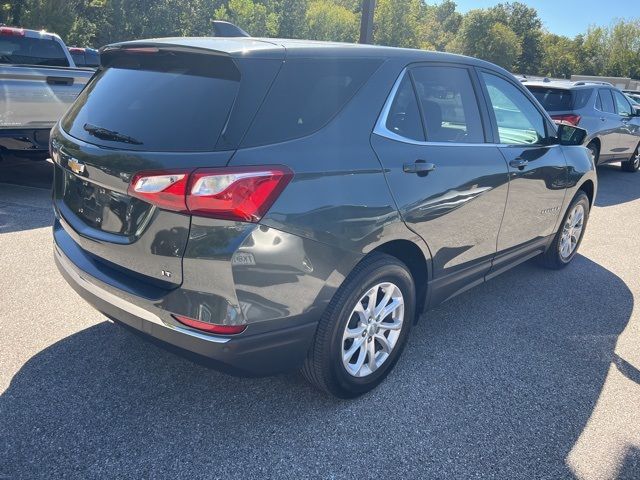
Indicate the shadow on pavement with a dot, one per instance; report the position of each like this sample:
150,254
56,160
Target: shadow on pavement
497,382
616,186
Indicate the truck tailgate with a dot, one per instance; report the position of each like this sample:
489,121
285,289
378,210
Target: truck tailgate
36,97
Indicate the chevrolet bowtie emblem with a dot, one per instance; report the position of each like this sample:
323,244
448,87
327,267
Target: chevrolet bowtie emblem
75,166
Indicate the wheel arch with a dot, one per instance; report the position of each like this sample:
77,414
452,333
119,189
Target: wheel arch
413,257
588,187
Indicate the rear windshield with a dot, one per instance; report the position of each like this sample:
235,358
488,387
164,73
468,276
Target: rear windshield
156,101
558,99
32,51
305,96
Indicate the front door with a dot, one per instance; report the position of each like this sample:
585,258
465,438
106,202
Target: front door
449,184
537,170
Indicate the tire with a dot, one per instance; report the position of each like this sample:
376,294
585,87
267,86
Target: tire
556,257
633,164
324,366
595,151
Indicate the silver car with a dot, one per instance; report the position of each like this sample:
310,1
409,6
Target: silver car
613,125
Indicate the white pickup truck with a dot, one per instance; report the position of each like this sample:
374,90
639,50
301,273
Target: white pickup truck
38,82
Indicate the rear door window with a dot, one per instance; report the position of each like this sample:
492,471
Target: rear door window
448,102
519,121
17,50
404,115
156,102
606,100
306,95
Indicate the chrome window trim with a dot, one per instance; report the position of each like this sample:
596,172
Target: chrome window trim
381,129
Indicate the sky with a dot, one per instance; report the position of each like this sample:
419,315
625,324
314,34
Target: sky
569,17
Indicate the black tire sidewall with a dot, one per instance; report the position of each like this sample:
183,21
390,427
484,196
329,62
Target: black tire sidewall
395,273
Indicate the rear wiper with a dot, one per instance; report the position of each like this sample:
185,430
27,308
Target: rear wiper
106,134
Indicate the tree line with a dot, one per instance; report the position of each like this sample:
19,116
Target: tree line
509,34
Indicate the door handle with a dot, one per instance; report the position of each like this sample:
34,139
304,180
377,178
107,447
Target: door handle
519,163
420,167
60,80
602,119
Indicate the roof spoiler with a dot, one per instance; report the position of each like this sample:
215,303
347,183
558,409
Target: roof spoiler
227,29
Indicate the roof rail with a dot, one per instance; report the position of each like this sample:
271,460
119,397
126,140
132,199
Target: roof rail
592,82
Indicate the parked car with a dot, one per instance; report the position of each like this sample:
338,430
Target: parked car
39,82
85,57
607,115
275,204
634,94
635,102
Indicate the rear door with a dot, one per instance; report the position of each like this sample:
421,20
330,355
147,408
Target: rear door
629,131
537,169
150,109
450,185
609,125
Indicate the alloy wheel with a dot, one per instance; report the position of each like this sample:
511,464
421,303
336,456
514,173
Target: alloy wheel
373,329
571,232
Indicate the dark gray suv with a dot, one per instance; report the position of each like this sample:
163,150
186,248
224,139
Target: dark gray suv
611,122
267,205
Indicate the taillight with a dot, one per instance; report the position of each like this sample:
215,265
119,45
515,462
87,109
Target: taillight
210,327
165,189
568,119
243,193
11,32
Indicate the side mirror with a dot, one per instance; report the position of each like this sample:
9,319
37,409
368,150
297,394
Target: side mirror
570,135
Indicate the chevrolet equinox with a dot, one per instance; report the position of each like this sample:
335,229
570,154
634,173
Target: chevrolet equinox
267,205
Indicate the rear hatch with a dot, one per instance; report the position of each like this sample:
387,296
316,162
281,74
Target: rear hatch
561,103
155,108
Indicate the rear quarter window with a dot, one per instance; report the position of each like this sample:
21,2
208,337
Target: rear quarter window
306,95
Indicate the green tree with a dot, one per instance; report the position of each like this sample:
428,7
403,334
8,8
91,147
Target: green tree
253,17
559,56
526,24
396,23
328,21
439,25
482,36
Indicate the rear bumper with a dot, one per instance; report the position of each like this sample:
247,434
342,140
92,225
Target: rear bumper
25,141
264,348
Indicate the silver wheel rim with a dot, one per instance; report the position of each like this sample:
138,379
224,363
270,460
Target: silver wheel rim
373,329
636,160
571,232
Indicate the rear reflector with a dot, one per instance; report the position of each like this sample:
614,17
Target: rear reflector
210,327
11,32
243,194
567,119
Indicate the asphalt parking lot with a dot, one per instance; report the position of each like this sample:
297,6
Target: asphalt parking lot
535,374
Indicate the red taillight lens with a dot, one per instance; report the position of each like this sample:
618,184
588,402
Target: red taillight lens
165,189
76,50
243,194
570,119
210,327
11,32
